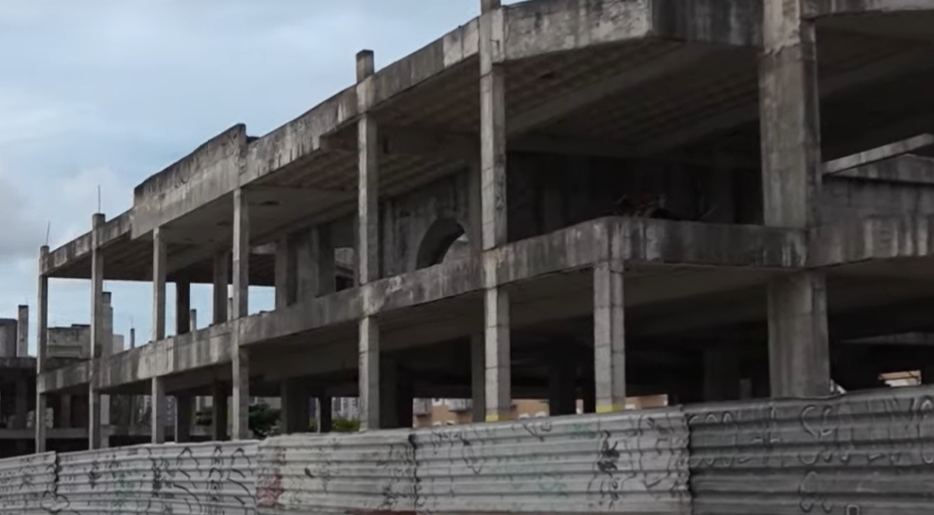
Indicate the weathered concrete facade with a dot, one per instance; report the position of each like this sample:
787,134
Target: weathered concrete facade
560,199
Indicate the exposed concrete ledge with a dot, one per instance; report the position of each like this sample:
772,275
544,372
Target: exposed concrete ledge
633,240
536,28
727,22
205,175
73,375
872,238
822,8
904,169
80,247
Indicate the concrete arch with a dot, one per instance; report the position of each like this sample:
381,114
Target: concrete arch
437,241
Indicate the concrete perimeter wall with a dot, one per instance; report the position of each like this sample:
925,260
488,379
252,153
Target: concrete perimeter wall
863,454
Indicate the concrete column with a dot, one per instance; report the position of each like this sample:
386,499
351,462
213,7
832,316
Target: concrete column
157,416
492,126
241,255
285,273
799,352
789,107
478,375
241,396
21,402
221,281
182,307
368,189
325,414
158,284
183,410
97,332
368,243
498,378
609,337
294,411
322,275
493,207
22,331
241,290
722,375
42,342
219,413
562,383
192,320
369,374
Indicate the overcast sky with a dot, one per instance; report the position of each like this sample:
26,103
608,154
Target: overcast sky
104,93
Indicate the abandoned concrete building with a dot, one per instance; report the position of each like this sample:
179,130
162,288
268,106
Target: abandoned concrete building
560,199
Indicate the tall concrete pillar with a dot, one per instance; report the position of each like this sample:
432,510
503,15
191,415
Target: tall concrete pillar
478,375
722,375
107,350
609,337
221,281
158,406
368,243
325,414
22,331
498,377
241,291
799,353
562,383
159,269
21,402
493,208
183,410
791,181
789,107
219,409
182,307
294,413
320,276
285,272
369,373
42,343
97,331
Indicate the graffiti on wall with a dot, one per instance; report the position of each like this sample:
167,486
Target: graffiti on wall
824,456
183,479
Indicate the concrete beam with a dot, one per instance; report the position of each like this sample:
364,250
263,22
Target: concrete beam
850,7
668,64
212,171
848,163
722,22
537,28
853,241
886,69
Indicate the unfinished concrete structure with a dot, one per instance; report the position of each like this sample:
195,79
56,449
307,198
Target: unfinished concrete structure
706,199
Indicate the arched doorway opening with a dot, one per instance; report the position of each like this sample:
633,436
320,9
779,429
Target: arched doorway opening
445,240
